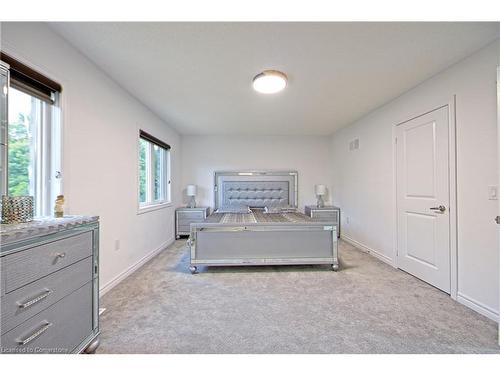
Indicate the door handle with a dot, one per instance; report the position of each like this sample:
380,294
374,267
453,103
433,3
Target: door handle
439,208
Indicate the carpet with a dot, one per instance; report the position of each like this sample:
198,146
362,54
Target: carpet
366,307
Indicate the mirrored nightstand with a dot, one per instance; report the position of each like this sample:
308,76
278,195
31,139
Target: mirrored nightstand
328,213
184,216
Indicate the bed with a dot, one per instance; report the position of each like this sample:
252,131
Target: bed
287,237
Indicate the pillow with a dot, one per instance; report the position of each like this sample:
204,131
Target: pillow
234,209
272,209
278,209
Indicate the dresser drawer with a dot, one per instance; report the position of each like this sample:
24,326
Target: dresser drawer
26,266
185,225
183,222
332,216
58,329
183,229
190,215
25,302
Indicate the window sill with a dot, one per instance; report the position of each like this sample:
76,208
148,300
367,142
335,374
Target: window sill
153,207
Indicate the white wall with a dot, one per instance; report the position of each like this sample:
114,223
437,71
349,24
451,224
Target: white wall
203,155
100,122
363,180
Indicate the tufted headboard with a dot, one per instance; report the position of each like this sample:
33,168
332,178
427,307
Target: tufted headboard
256,188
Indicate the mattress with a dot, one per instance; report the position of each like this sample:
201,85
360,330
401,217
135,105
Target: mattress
259,217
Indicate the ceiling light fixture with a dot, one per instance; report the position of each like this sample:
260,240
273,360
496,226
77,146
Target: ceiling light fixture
269,81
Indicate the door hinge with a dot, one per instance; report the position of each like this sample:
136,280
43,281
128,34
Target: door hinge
497,220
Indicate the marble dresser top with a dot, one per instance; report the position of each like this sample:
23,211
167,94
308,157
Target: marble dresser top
42,226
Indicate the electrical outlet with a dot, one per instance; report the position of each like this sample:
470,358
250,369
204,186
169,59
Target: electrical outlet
493,192
347,220
354,145
117,245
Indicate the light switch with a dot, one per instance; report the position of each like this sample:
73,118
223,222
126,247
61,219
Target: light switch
493,192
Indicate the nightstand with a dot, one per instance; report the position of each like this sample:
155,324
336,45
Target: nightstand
327,213
184,216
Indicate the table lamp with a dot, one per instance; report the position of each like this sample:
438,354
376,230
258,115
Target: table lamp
320,192
191,192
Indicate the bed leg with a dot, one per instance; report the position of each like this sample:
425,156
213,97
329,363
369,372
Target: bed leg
193,269
92,347
335,266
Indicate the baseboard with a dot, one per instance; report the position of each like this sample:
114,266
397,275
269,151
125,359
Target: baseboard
478,307
377,254
134,267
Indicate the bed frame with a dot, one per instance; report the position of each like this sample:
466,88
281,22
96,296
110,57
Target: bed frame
216,244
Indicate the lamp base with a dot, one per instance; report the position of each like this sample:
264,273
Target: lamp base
321,202
192,203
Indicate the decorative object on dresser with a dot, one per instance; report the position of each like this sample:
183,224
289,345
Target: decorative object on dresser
17,210
59,206
185,216
191,193
320,191
49,289
328,213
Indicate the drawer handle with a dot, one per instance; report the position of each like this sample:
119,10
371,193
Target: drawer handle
45,294
45,326
60,255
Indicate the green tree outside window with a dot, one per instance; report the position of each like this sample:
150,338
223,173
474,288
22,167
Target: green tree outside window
19,156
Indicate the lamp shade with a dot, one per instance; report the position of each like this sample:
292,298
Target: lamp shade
191,190
320,189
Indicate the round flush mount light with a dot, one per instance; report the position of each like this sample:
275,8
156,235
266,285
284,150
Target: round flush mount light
269,82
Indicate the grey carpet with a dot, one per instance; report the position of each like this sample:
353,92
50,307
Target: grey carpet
367,307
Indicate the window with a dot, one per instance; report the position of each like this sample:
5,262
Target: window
154,171
33,141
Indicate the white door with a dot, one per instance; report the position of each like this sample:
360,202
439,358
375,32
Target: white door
423,196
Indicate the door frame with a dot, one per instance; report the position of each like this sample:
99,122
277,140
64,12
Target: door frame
498,148
452,161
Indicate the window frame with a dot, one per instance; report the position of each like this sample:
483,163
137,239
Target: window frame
34,80
150,203
46,183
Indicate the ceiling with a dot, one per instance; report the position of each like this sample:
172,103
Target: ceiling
197,76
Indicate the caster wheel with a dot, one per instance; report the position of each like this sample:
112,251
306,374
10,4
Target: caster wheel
193,269
335,267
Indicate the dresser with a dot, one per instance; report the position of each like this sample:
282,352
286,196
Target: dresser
49,291
328,213
184,216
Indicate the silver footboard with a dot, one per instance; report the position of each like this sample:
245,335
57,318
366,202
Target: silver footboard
215,244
